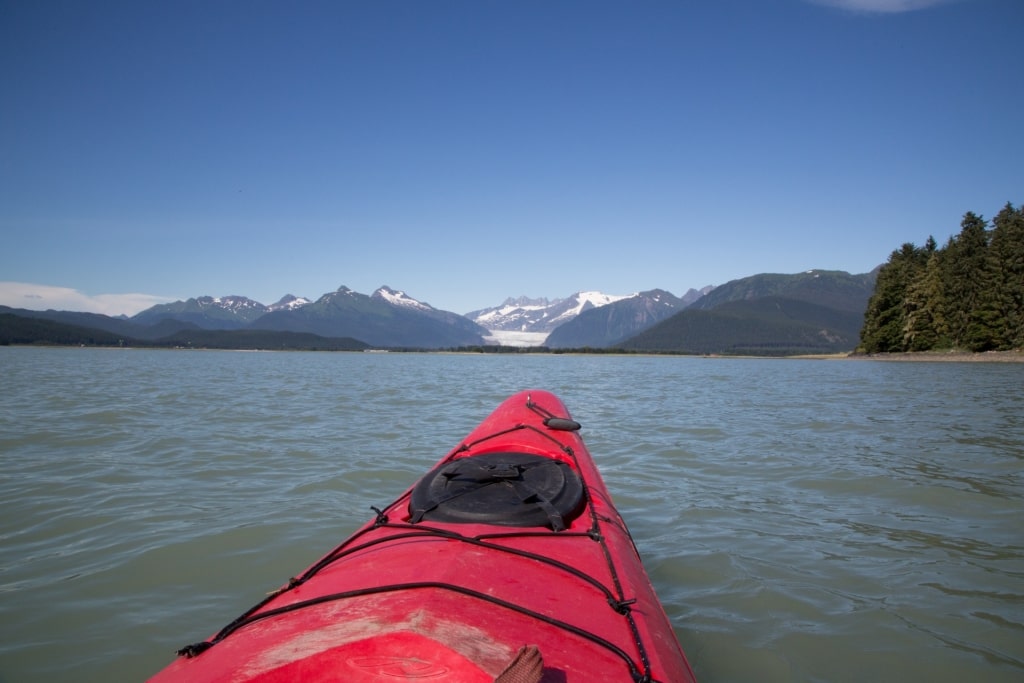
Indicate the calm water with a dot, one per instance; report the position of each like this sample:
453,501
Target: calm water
801,520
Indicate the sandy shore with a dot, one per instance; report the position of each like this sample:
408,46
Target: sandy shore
946,356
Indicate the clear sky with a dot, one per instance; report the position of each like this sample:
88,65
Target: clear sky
465,151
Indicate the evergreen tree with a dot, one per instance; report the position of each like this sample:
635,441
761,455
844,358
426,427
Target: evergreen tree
885,321
968,294
968,281
1007,248
924,305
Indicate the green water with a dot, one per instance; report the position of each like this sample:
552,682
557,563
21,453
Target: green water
801,520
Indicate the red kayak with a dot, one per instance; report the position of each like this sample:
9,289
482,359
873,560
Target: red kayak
506,563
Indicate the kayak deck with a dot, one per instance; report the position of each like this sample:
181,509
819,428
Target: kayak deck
507,562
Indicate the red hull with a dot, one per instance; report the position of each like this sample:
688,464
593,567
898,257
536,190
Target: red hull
412,596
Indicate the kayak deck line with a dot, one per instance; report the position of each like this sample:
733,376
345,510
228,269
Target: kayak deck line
472,475
462,590
619,604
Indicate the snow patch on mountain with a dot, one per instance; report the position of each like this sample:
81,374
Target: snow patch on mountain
535,318
238,305
585,301
400,298
510,309
289,302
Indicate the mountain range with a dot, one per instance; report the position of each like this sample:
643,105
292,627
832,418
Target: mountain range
539,315
610,325
806,312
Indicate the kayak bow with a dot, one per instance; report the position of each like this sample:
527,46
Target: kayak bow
506,562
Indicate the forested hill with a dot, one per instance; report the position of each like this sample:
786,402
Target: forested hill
967,294
25,329
770,314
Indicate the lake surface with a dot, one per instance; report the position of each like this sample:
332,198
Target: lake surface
802,520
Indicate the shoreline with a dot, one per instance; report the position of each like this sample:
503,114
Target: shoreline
906,356
944,356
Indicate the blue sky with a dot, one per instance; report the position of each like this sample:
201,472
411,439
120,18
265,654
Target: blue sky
467,151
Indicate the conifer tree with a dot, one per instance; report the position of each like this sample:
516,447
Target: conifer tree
924,305
968,294
967,279
884,328
1007,248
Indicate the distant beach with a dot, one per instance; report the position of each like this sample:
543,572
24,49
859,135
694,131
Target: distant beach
946,356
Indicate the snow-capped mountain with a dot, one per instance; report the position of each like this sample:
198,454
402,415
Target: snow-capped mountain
387,318
219,312
289,302
586,318
539,315
600,327
391,318
762,313
520,314
399,298
207,312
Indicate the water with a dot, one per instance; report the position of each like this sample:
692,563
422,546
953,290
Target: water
801,520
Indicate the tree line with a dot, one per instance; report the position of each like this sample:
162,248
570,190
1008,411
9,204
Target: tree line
967,294
17,329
